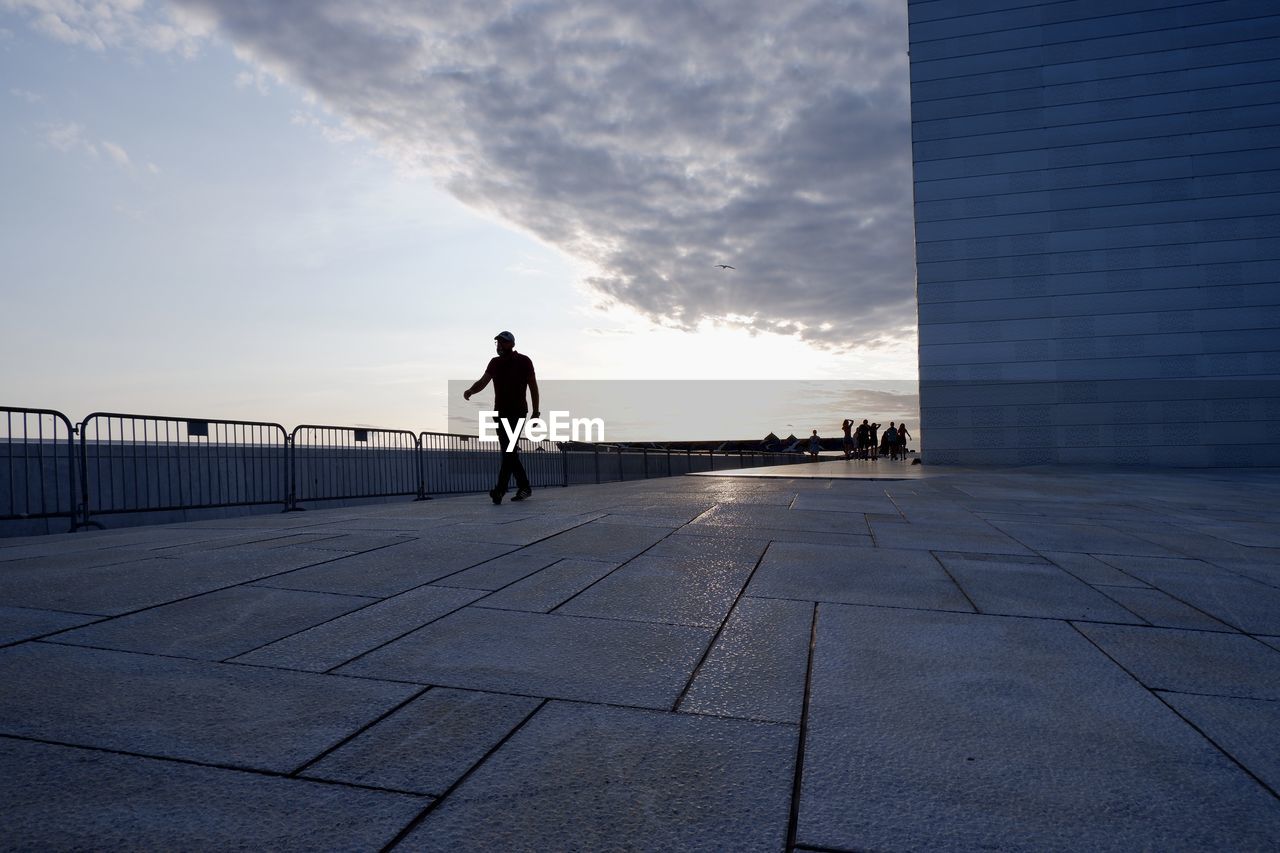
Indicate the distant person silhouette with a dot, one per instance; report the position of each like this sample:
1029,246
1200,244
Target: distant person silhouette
873,441
891,441
511,373
815,444
862,435
903,438
847,426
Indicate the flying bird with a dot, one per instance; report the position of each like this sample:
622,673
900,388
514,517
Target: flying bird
726,267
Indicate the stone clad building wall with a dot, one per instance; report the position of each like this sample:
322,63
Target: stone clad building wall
1097,203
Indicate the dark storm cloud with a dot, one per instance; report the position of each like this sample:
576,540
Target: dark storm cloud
654,139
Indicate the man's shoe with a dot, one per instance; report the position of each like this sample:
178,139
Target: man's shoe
522,494
496,495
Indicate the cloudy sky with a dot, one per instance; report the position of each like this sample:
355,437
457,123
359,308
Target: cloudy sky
314,211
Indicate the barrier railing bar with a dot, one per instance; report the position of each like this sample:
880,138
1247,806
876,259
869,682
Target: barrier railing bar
353,462
150,465
43,498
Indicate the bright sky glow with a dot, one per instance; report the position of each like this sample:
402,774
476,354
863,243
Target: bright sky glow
195,222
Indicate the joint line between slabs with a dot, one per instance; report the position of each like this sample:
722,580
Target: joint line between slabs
355,734
793,820
952,578
211,765
248,583
613,570
1255,777
487,593
421,816
1156,695
715,637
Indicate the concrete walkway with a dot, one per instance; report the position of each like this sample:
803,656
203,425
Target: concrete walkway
1038,659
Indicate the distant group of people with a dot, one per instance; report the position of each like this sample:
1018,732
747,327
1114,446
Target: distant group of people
864,440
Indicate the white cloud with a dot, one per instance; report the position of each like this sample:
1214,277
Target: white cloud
116,153
71,137
68,136
258,80
102,24
339,132
27,95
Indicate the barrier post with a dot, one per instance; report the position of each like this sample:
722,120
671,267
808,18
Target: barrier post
422,480
291,505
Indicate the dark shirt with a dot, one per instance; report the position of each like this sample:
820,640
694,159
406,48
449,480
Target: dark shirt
511,375
847,426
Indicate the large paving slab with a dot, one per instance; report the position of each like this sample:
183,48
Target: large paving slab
1029,587
733,516
548,588
550,655
764,535
1192,661
342,639
1162,610
24,623
1081,538
522,531
195,710
426,746
756,668
1091,569
894,578
977,536
602,540
582,777
124,587
846,500
1243,603
217,625
935,730
746,552
390,570
64,798
498,572
1245,728
672,590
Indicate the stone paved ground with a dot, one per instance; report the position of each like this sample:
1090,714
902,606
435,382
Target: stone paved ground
1028,659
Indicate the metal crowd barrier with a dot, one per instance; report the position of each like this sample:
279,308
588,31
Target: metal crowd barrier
142,463
39,460
454,463
334,462
137,463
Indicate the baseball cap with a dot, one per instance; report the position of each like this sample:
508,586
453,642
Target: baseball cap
505,336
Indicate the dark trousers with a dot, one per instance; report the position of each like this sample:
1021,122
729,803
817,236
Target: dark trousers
510,461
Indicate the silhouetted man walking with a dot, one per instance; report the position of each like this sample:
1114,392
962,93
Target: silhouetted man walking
512,373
